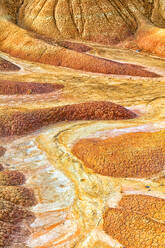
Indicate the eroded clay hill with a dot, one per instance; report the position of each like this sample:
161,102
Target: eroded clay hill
82,154
23,122
33,31
127,155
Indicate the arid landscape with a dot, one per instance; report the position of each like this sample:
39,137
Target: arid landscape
82,124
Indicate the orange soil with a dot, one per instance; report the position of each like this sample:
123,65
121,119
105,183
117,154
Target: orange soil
10,88
127,155
100,244
134,230
25,45
149,206
18,123
151,39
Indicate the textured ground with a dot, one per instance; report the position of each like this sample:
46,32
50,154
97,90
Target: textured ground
46,31
82,108
7,66
127,155
85,170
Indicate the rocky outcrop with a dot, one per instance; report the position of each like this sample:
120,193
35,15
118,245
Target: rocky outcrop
158,13
102,21
73,19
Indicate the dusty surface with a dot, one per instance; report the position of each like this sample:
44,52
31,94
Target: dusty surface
25,121
127,155
71,198
53,32
82,108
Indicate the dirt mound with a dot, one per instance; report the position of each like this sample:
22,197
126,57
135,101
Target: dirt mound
132,229
11,233
127,155
107,22
149,206
19,123
40,51
11,178
14,201
7,66
18,195
23,44
151,39
14,214
78,47
27,88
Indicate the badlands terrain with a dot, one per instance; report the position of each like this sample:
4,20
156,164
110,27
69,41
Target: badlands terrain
82,124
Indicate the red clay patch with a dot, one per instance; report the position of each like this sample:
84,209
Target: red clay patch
2,151
10,233
19,123
14,214
7,66
13,203
89,63
75,46
11,178
18,195
27,88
